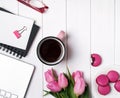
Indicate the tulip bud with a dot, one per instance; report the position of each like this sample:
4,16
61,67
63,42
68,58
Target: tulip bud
53,86
79,86
49,75
62,81
76,75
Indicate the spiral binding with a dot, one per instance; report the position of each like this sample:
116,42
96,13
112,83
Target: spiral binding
12,50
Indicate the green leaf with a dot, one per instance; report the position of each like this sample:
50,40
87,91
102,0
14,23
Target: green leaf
47,92
55,95
86,93
70,88
70,76
54,74
70,91
64,93
51,93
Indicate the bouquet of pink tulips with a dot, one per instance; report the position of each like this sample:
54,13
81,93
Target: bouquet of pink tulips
66,85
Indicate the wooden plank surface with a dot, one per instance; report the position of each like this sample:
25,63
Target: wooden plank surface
53,22
78,29
91,26
103,42
36,88
117,32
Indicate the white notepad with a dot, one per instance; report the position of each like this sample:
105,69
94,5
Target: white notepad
15,76
9,24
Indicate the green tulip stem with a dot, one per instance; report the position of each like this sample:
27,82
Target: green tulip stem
77,96
58,95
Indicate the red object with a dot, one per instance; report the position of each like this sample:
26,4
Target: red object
41,10
96,59
113,76
102,80
117,86
104,90
17,34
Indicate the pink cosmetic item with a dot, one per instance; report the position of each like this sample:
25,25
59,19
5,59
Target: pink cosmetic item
117,86
104,90
18,33
96,60
113,76
102,80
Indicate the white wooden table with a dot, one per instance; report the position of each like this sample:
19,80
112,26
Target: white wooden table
91,26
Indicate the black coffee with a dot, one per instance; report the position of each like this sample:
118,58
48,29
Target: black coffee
50,50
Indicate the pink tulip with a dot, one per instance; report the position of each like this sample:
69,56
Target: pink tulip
49,76
76,75
53,86
79,86
62,81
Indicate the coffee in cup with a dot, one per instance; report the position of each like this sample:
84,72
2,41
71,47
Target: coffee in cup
51,50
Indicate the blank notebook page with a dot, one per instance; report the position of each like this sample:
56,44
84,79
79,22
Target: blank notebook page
9,23
15,75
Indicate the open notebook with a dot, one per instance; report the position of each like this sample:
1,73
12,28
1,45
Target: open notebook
15,77
10,42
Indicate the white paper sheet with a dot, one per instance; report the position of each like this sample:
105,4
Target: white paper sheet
10,23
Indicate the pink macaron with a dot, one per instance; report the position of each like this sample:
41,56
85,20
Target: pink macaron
113,76
117,86
104,90
102,80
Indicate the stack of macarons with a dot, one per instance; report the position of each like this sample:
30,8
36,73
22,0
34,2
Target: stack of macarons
104,80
